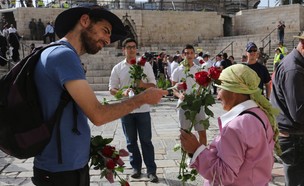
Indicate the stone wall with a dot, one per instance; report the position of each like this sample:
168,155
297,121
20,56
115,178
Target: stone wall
265,20
169,28
152,27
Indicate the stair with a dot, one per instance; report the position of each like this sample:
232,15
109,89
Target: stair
99,66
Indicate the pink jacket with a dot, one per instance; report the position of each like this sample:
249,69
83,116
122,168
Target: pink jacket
243,152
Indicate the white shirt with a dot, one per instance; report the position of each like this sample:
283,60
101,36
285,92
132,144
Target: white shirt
120,77
207,64
5,32
12,30
173,65
217,64
179,74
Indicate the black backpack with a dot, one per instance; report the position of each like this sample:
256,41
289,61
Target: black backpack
23,132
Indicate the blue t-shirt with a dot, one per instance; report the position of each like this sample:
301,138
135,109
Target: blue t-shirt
58,65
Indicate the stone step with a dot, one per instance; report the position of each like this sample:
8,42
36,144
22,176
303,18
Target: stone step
100,86
99,66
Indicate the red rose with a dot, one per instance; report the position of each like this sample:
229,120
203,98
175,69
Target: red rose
110,164
214,73
120,162
182,86
115,157
142,61
109,176
202,78
124,183
201,61
123,152
108,151
133,61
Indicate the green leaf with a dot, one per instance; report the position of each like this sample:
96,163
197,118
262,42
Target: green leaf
205,123
120,169
197,103
188,115
208,112
192,116
194,172
209,100
107,141
176,147
118,94
192,178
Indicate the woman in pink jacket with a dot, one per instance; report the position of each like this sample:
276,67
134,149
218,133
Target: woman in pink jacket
243,152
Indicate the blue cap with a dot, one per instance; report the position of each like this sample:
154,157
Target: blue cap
250,45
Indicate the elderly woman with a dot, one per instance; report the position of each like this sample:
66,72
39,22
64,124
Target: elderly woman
243,152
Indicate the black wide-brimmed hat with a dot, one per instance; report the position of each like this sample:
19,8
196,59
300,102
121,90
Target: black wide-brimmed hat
67,20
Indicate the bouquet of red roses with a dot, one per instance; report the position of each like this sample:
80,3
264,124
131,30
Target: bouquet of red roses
107,159
192,104
137,73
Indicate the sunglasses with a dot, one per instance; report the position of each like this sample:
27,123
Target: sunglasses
130,47
254,50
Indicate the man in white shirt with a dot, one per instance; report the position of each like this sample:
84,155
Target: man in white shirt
138,123
174,64
207,62
180,75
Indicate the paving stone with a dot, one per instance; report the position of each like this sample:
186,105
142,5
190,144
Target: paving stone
165,129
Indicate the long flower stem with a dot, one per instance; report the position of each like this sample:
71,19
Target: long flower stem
182,166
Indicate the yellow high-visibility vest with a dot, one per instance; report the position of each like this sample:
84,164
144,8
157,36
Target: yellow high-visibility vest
40,3
277,58
283,50
66,5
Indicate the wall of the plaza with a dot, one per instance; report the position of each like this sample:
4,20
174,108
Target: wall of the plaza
152,27
265,20
177,27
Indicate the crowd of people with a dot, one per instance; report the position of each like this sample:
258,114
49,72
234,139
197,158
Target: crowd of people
40,32
9,42
10,38
249,125
247,94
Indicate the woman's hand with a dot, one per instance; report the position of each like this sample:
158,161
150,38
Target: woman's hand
189,141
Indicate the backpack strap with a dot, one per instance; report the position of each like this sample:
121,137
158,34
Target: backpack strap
75,114
55,121
254,114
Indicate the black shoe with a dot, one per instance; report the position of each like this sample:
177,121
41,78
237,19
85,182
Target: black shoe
153,178
136,174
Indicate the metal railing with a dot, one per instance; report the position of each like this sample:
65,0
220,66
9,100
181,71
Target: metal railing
24,47
9,60
205,5
268,42
229,45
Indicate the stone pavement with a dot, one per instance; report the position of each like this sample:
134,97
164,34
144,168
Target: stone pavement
165,136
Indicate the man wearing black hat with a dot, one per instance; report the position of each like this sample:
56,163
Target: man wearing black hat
260,69
82,30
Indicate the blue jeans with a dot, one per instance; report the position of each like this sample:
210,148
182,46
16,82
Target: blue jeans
139,124
293,159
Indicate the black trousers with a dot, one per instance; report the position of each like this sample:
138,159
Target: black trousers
293,159
79,177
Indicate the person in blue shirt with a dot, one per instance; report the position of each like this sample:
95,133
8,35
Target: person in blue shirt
81,30
49,32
